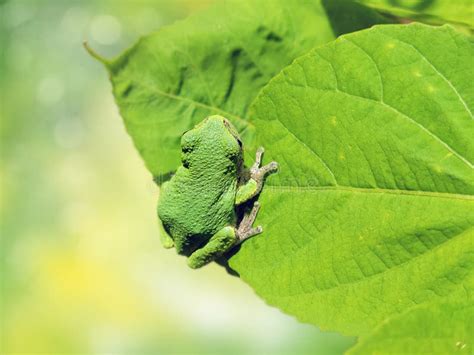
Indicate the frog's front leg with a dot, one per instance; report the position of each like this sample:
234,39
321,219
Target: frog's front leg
257,176
165,239
219,243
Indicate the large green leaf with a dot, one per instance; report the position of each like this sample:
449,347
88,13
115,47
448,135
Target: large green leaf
216,62
372,211
445,328
438,11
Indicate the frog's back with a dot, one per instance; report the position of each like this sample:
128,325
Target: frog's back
199,199
192,208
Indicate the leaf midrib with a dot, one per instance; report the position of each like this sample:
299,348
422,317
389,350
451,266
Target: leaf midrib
190,101
419,193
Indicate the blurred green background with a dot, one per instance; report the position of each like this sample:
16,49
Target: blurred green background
82,269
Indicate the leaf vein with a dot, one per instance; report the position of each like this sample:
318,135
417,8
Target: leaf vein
373,61
438,72
392,269
395,110
307,147
191,101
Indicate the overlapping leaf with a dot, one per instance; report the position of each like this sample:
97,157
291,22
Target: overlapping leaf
215,62
372,211
438,11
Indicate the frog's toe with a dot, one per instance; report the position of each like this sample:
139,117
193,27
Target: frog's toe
271,167
248,233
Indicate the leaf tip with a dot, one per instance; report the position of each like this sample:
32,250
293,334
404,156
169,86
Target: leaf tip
95,55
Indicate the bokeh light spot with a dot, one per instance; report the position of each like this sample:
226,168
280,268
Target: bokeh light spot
50,91
105,29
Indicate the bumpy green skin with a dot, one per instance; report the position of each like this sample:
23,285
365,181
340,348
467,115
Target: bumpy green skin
196,206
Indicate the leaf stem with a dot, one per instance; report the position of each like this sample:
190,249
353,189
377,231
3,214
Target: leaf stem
97,56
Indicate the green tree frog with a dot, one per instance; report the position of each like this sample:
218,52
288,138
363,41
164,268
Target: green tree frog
197,206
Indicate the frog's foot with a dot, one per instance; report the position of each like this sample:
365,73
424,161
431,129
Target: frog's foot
245,229
258,173
254,185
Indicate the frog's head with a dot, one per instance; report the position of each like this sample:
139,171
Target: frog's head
214,139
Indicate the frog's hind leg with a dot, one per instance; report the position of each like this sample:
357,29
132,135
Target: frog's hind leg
219,243
245,229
